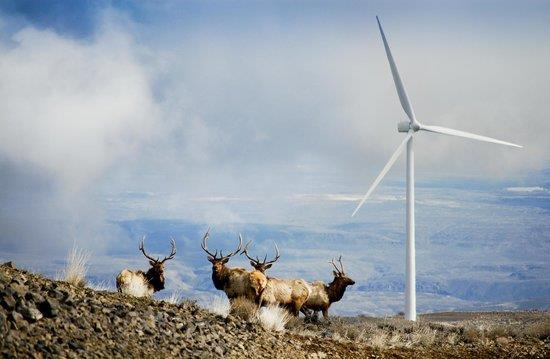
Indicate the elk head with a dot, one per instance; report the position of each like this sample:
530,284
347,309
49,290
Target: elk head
261,265
218,261
340,276
155,274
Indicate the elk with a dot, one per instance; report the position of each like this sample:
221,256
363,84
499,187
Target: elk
144,284
323,295
288,293
235,282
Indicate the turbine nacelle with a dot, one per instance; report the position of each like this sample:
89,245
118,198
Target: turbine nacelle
406,126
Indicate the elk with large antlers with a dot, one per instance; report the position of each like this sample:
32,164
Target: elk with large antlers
288,293
235,282
323,295
144,284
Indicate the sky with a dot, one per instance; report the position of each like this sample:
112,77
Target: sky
221,112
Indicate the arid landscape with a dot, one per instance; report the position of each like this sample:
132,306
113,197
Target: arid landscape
40,317
274,179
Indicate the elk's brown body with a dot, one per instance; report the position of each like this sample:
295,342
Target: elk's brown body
322,295
289,293
235,282
144,284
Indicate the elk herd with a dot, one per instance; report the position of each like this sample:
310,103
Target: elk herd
295,294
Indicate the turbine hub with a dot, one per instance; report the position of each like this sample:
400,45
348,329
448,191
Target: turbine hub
406,126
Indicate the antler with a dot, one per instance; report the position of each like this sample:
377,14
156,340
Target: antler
277,255
239,247
215,255
265,261
171,256
338,270
245,252
204,245
172,251
341,265
143,251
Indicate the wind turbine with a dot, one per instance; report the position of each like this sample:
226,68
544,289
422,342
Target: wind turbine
410,127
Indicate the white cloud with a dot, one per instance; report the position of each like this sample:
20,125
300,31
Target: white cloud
73,108
535,189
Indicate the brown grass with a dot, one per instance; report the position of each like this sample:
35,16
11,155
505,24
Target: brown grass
76,267
539,330
243,308
478,329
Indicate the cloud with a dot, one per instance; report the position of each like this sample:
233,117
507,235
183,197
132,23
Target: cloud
535,189
301,107
72,109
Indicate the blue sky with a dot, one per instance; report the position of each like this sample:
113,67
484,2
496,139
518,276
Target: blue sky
268,112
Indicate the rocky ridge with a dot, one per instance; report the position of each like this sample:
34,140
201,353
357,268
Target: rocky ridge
42,318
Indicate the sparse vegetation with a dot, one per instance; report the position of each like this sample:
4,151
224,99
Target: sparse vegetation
273,318
243,308
76,267
539,330
101,286
433,330
174,298
219,305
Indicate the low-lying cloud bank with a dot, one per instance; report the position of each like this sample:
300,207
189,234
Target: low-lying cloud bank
71,110
74,108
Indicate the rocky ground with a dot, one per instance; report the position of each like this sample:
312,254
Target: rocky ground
40,317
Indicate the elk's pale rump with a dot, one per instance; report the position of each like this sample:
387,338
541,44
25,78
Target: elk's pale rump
133,283
144,284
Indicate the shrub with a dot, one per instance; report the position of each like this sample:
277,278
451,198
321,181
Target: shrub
273,318
356,334
103,286
471,335
378,339
76,267
498,331
243,308
294,322
451,339
539,330
423,336
219,305
174,298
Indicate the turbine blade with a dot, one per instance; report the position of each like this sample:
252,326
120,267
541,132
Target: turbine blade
451,132
403,98
385,170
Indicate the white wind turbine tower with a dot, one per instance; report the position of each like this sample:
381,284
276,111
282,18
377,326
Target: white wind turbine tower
411,127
